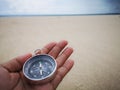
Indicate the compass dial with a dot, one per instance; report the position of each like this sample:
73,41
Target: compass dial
39,67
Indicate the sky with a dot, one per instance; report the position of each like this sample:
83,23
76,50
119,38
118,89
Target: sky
52,7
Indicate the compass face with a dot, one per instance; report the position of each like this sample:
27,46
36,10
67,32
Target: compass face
39,67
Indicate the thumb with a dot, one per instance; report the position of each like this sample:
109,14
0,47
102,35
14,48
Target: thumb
16,64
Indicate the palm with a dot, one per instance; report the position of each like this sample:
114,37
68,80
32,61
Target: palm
19,83
13,78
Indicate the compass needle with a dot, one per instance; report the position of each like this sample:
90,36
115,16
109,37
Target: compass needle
40,68
41,72
40,65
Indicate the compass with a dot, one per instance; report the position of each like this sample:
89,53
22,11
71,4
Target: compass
40,68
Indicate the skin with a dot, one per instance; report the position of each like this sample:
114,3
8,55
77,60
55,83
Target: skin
12,78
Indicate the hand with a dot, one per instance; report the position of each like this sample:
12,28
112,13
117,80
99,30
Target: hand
12,78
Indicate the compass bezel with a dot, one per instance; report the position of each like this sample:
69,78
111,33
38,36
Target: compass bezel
28,62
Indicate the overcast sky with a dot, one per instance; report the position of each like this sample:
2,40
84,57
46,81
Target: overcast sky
55,6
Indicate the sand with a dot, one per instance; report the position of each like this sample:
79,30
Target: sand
95,39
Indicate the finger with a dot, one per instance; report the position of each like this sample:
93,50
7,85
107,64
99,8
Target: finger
58,48
47,48
62,72
64,56
16,64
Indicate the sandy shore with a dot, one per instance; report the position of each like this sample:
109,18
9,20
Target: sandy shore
95,39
